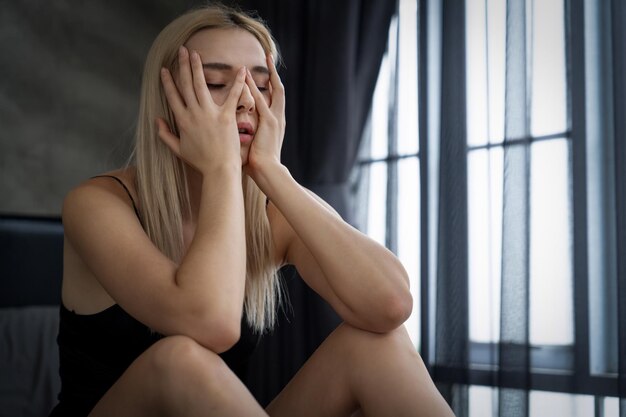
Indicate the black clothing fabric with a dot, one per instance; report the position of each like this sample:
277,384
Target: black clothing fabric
96,349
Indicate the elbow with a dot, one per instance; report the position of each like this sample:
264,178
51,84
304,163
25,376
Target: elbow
401,308
217,330
226,337
394,312
400,304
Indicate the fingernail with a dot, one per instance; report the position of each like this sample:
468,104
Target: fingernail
181,50
163,71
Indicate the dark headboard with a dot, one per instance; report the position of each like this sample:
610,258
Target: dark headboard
31,267
31,261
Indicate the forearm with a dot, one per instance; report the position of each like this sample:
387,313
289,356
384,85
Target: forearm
365,276
214,267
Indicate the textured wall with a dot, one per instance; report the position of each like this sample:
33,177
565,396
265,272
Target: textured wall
69,82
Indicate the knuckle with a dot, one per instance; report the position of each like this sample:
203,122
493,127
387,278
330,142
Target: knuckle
183,122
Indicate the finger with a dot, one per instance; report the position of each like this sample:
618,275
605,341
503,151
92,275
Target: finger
237,88
199,82
172,141
185,77
171,92
259,99
278,90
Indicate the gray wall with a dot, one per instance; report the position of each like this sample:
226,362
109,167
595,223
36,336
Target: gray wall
69,85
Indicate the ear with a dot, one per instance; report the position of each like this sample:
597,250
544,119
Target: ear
165,134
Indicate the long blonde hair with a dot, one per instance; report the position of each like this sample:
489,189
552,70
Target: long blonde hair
161,176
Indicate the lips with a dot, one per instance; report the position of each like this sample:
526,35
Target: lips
246,132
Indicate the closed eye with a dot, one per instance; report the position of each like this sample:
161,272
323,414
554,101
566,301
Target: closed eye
215,86
262,88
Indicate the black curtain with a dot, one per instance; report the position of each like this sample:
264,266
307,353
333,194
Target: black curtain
331,52
452,329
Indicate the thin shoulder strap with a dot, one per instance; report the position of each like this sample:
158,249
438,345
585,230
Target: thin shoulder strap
132,200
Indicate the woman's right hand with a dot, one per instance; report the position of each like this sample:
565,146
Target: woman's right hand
208,131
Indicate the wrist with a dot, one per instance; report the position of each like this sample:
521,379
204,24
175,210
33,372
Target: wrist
222,168
222,173
268,178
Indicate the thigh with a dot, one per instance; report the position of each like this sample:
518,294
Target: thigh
321,387
353,368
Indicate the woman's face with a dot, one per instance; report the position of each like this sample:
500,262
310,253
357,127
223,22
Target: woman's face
223,52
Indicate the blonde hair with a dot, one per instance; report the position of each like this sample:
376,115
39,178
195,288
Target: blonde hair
161,176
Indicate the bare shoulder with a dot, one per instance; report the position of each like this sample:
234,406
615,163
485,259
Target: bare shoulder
92,213
98,194
107,182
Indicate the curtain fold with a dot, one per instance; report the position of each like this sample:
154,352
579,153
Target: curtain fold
452,309
513,358
332,53
618,41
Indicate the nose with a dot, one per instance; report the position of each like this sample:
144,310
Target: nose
246,101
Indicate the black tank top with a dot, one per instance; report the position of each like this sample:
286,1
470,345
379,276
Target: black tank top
96,349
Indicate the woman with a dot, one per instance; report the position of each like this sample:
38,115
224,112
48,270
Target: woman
170,264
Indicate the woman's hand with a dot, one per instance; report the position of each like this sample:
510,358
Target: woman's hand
268,139
208,131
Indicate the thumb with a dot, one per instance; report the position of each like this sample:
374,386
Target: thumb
172,141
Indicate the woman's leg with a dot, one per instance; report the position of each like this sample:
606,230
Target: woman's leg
380,374
178,377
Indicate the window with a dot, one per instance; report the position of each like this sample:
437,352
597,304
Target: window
546,136
523,152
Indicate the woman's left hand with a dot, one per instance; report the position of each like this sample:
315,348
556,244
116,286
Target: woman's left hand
268,139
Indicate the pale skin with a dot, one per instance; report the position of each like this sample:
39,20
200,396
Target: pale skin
367,366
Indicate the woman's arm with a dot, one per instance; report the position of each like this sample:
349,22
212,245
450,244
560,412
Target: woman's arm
363,281
203,296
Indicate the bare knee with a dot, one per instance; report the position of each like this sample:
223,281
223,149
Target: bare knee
178,361
177,351
171,374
